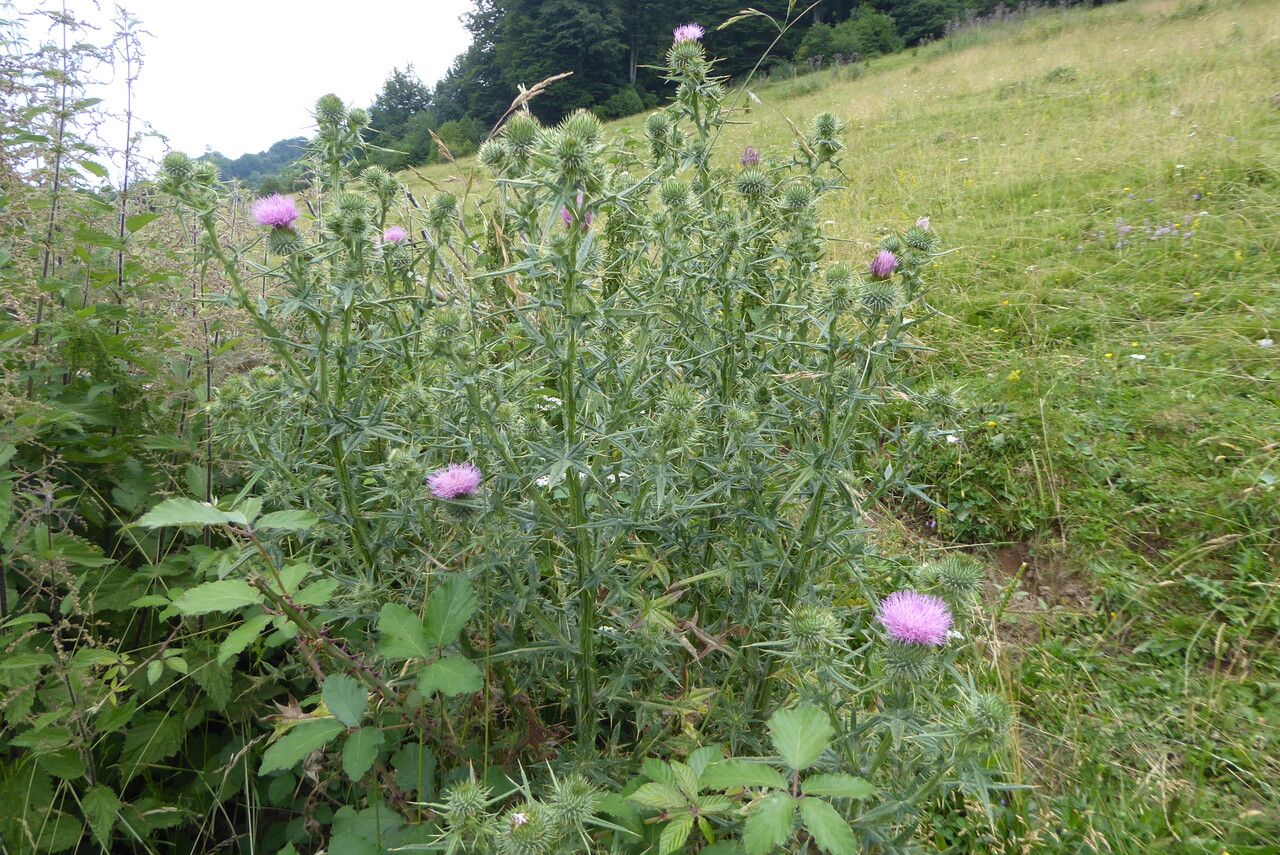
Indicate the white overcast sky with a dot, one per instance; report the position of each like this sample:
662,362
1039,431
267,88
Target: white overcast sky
237,75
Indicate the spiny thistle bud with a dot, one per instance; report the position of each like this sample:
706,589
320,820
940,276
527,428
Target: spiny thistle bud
686,57
919,238
283,241
825,125
959,578
739,420
493,156
572,156
585,126
205,172
358,119
526,829
910,662
879,297
465,804
891,243
658,129
443,206
330,110
797,197
989,715
521,134
573,802
382,184
511,419
841,291
925,576
753,184
814,628
680,398
674,193
177,166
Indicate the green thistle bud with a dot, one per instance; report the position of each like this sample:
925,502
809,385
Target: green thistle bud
572,156
583,126
796,197
681,398
940,403
521,134
283,241
960,578
511,419
176,170
444,206
842,293
205,173
573,802
879,297
382,184
892,243
658,129
909,662
925,576
989,715
493,156
686,57
918,238
465,805
814,629
526,829
753,184
330,110
674,193
739,420
825,125
358,119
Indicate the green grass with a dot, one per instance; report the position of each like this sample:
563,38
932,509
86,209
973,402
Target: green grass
1132,501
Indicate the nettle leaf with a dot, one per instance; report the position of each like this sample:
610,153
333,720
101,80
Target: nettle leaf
180,511
101,806
658,796
288,520
838,786
675,834
448,610
241,637
401,634
304,738
360,750
800,735
732,774
345,698
769,824
452,675
137,221
828,828
224,596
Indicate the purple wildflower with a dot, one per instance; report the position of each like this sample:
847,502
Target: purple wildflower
567,215
913,618
884,264
923,223
395,234
750,157
276,211
455,481
688,33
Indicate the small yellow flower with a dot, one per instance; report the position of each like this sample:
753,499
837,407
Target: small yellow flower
1133,344
1004,302
1195,293
1239,255
1015,375
1126,190
991,423
1108,355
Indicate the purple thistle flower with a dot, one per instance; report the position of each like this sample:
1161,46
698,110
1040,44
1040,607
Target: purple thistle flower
913,618
750,157
688,33
567,215
923,223
395,234
276,211
884,264
455,481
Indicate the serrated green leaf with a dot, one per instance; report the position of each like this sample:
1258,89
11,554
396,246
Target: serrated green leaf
304,738
401,634
675,834
452,675
828,828
155,669
180,511
345,698
800,735
101,806
741,773
657,796
769,825
415,767
686,778
137,221
241,637
449,608
360,750
288,520
317,593
838,786
224,596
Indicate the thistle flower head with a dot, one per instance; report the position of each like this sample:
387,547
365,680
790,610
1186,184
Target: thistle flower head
923,223
395,234
883,265
521,133
456,481
493,155
750,157
960,578
330,109
910,662
573,802
177,165
989,714
912,618
276,211
797,197
688,33
674,193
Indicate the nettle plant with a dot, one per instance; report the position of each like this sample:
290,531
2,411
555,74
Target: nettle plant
572,477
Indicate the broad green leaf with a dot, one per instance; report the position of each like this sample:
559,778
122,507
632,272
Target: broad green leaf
702,758
800,735
741,773
20,661
415,767
298,743
658,796
452,675
828,828
451,605
401,634
360,750
769,824
317,593
838,786
180,511
224,596
96,168
137,221
241,637
155,670
675,834
345,698
288,520
352,844
101,807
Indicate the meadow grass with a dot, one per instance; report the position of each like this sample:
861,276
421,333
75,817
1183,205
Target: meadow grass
1109,180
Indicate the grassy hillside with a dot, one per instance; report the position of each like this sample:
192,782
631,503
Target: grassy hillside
1110,181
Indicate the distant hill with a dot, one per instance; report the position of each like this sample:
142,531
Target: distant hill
275,166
